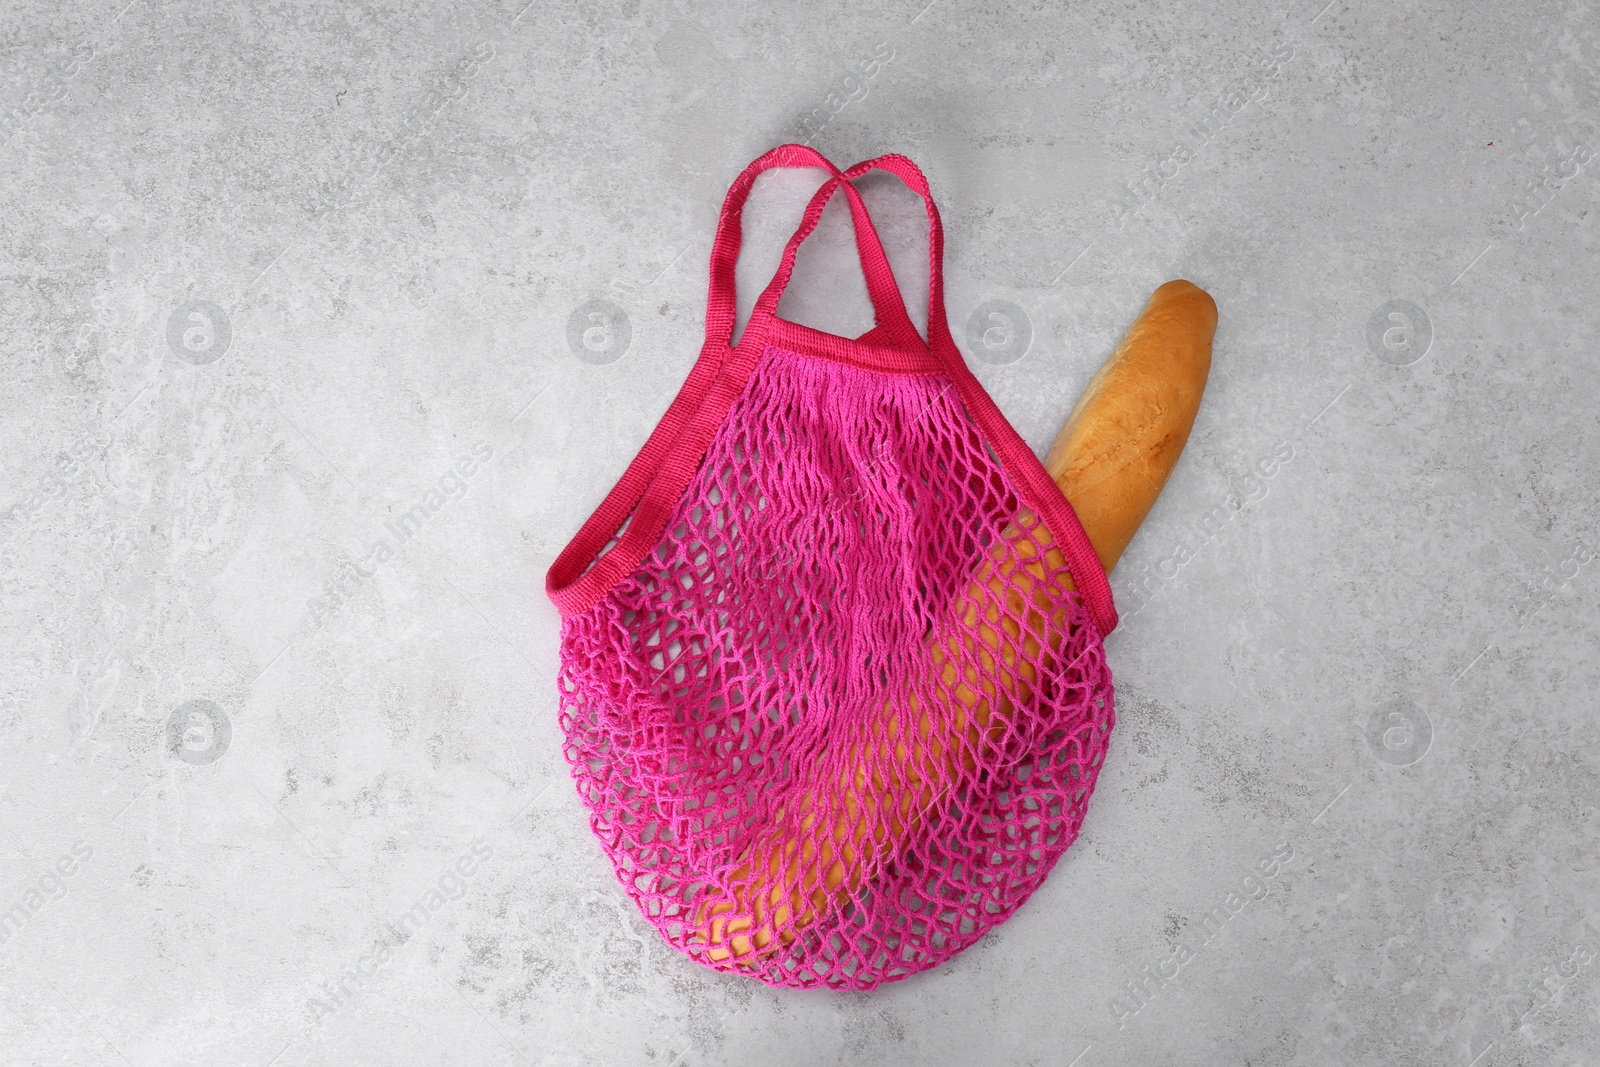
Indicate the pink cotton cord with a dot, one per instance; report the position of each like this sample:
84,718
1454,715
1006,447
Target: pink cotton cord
729,686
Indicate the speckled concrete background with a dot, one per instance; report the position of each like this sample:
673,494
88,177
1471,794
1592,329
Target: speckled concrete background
273,274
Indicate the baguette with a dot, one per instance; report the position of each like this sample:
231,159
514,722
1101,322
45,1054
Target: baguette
1112,458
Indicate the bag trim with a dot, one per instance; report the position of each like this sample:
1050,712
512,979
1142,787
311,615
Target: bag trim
629,522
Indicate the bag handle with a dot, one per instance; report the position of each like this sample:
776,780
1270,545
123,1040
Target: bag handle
893,325
913,178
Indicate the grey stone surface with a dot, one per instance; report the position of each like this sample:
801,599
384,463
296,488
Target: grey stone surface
275,273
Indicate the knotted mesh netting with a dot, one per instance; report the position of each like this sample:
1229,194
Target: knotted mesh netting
847,714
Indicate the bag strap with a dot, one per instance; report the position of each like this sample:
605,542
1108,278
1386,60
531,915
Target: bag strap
893,325
913,178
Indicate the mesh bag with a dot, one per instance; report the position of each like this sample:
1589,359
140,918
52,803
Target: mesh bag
832,679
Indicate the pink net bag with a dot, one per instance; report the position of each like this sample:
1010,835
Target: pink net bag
832,679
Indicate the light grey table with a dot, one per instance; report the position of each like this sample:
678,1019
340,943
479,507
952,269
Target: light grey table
302,395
